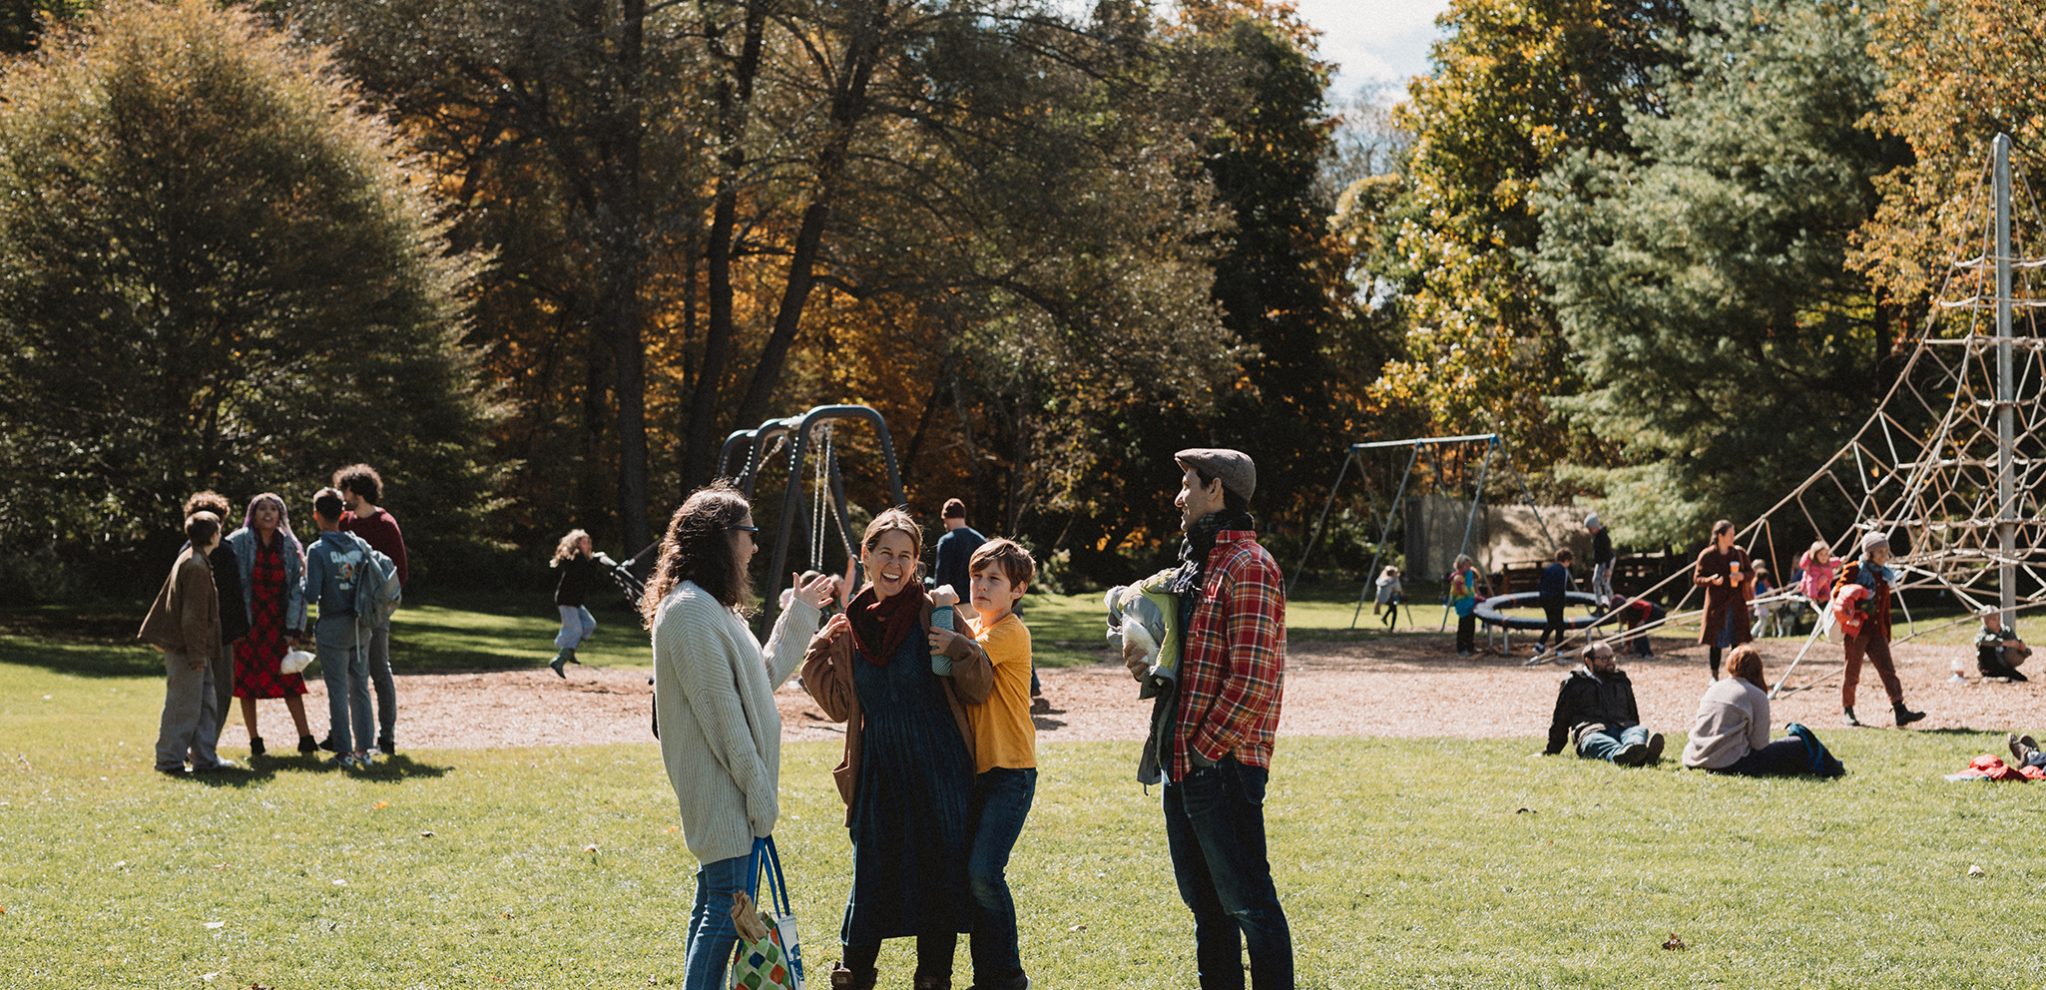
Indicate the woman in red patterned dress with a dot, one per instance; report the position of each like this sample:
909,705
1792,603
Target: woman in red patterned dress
272,566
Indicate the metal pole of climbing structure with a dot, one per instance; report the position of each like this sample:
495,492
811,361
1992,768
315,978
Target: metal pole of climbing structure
1378,549
2006,396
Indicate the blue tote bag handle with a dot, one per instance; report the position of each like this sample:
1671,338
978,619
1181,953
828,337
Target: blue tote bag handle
766,858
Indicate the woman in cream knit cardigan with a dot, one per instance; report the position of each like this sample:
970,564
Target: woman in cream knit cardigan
714,687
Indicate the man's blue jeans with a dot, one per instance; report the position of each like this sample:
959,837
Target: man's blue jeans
1001,800
1215,827
707,947
1607,743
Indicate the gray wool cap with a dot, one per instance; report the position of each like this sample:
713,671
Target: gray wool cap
1235,469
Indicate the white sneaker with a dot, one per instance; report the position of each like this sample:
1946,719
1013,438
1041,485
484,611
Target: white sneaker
1537,659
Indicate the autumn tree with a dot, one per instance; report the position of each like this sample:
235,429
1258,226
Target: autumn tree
1515,86
1955,74
216,272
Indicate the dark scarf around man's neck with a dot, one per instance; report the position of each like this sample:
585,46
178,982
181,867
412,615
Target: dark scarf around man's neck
1193,551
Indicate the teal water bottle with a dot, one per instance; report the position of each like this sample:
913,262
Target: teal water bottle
941,618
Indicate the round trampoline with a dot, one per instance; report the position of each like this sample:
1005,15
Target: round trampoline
1491,610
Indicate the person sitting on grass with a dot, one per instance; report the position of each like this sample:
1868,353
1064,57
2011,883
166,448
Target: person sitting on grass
1999,653
1552,589
1730,733
1595,707
1390,595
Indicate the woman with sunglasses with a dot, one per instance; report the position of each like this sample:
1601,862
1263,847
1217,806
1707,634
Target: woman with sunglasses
714,687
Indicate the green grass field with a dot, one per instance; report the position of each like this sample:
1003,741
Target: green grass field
1401,863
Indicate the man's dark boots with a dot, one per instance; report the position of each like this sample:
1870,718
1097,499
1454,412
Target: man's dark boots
1906,716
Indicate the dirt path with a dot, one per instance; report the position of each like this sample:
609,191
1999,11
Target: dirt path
1412,687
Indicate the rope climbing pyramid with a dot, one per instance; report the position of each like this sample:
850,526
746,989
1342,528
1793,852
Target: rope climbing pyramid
1951,462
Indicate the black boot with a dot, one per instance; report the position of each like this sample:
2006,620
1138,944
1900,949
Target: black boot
307,745
560,660
1905,716
1847,716
255,746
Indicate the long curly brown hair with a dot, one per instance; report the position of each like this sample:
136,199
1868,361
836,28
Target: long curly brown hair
698,547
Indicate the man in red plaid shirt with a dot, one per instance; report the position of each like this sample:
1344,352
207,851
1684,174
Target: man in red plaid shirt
1213,736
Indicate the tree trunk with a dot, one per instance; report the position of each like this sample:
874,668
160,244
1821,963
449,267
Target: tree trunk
734,95
848,107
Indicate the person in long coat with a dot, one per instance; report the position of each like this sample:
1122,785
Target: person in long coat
1727,574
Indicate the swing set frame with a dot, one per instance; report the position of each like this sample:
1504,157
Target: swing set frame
807,435
1356,453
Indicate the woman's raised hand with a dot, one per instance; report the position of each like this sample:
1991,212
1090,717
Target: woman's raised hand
818,592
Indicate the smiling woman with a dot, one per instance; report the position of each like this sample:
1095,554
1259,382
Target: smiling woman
908,767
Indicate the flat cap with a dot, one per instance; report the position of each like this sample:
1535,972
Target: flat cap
1233,468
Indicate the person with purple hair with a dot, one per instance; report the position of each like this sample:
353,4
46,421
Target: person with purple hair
271,562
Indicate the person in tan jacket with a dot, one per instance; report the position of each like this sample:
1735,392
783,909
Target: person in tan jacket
902,687
184,622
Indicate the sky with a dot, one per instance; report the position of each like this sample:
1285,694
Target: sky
1374,40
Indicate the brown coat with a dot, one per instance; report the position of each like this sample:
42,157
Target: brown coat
828,677
185,618
1718,598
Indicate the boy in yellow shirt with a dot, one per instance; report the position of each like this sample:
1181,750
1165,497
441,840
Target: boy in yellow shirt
1005,753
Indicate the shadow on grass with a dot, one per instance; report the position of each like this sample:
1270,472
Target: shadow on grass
261,770
446,634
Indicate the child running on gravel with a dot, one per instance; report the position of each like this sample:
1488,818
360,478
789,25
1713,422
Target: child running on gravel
578,563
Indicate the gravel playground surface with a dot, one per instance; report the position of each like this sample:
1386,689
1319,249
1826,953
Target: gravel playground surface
1410,685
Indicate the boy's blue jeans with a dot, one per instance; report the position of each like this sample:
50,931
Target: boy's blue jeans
1000,801
1606,744
1215,827
707,946
345,669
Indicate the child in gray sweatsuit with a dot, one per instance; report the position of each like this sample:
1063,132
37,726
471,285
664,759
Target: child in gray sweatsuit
333,564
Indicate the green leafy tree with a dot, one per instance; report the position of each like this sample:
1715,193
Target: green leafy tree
216,272
1702,280
1516,86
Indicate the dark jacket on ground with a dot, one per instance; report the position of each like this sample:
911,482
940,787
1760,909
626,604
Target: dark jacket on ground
578,573
1587,698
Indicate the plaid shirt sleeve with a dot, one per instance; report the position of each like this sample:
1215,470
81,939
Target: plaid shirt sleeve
1247,705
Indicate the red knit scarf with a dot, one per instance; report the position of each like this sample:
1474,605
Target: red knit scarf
879,625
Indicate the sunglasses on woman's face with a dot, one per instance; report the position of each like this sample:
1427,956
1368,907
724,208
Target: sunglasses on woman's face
743,529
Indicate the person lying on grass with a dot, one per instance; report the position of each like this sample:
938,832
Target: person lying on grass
1595,707
1730,733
